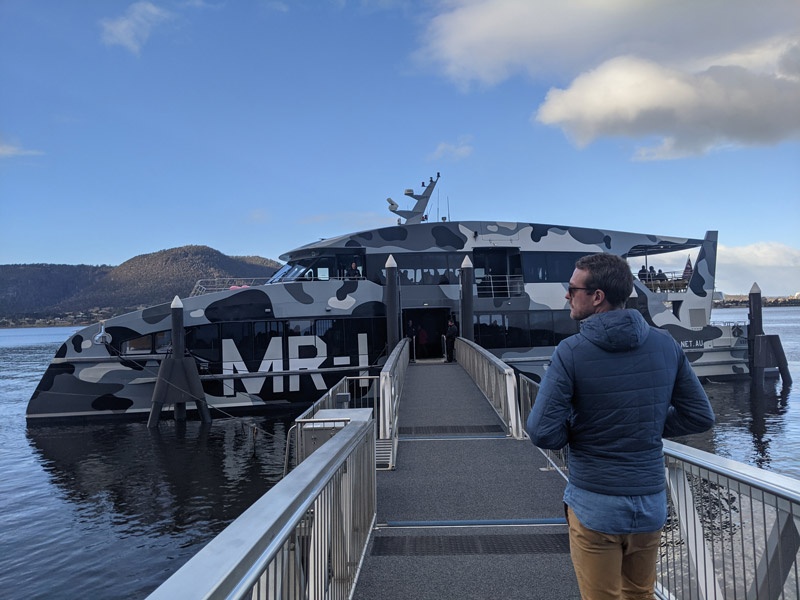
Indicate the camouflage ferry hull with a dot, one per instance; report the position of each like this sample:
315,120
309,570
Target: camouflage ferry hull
323,316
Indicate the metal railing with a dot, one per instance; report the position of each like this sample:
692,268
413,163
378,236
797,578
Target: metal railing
392,377
305,538
496,380
732,529
381,393
500,286
207,286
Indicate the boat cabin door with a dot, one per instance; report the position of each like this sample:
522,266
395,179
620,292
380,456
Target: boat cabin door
427,326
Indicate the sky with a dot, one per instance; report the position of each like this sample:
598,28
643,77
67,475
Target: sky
255,127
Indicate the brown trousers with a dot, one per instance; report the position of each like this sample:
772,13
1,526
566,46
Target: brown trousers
613,567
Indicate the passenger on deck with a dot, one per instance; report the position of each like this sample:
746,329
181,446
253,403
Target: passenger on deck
353,272
643,273
610,394
651,274
450,340
660,276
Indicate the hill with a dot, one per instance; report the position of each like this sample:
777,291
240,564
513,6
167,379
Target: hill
53,291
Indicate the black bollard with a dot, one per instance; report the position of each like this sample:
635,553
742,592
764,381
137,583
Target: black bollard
755,326
178,378
467,300
392,304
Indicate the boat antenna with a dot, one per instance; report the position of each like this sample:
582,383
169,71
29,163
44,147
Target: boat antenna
448,208
416,214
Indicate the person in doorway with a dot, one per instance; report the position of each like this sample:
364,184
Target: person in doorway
411,334
610,394
450,340
422,342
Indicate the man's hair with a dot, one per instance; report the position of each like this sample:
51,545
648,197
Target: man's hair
610,273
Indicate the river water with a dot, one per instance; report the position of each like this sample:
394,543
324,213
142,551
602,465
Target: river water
110,511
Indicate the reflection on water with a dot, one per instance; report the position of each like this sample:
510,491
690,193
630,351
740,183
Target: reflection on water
757,429
135,493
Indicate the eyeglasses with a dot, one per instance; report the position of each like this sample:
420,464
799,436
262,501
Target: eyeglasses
572,290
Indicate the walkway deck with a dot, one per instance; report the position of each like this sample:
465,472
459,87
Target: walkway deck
468,513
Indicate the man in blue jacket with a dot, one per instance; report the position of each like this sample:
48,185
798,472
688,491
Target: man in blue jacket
611,392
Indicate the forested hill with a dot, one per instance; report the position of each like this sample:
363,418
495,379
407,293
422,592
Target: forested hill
44,291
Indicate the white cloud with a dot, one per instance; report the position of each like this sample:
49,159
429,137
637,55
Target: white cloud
133,29
773,266
694,76
258,216
8,150
689,113
455,151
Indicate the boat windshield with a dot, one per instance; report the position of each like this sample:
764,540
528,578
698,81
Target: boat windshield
322,268
290,272
278,275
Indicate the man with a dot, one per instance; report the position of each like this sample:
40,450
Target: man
611,392
353,272
450,340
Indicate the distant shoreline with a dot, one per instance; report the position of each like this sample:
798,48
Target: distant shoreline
732,301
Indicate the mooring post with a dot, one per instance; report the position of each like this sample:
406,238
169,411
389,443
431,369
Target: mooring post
467,301
392,305
755,328
765,351
178,378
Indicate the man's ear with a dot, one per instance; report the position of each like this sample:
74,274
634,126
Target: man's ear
598,298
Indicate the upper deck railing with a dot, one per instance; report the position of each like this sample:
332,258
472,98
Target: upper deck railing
732,529
221,284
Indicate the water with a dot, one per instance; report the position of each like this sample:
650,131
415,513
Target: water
110,511
761,432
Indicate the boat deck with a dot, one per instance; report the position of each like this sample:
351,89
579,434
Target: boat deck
468,512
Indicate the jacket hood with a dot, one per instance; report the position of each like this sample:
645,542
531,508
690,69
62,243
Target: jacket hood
616,330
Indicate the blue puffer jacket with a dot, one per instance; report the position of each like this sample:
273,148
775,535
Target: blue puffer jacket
612,391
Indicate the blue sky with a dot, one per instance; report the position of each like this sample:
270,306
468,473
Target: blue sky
256,127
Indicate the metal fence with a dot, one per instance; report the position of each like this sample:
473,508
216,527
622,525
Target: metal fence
305,538
392,377
496,380
208,286
732,529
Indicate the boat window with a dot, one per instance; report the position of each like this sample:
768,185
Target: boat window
242,335
163,342
517,330
414,268
300,327
263,333
563,325
204,342
292,271
549,266
278,275
139,345
541,327
538,328
491,331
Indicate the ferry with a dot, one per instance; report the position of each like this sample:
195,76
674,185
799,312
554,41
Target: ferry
323,315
